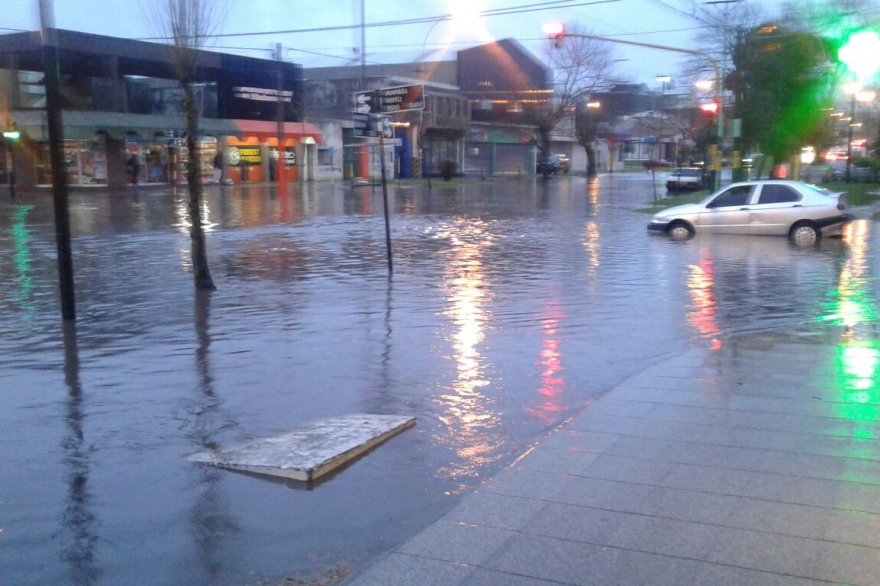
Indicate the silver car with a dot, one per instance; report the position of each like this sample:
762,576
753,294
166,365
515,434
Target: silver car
798,210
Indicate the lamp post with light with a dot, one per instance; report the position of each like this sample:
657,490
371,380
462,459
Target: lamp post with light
861,55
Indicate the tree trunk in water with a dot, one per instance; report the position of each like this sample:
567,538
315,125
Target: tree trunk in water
545,149
591,161
201,274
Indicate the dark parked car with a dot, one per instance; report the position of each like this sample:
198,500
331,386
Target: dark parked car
554,164
686,179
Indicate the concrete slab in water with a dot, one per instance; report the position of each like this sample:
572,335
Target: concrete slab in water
310,452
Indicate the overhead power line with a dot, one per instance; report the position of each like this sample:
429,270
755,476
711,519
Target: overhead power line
536,7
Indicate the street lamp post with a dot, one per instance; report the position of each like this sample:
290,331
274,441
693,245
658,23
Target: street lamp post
853,90
856,93
860,55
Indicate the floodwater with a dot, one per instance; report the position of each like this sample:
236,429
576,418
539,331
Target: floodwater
512,305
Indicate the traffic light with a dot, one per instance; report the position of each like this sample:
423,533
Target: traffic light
709,108
861,53
556,31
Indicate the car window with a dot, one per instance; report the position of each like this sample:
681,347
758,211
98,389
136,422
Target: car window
778,194
735,196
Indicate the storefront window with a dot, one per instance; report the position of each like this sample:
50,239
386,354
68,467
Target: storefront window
85,162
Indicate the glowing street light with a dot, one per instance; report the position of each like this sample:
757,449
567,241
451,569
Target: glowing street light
861,54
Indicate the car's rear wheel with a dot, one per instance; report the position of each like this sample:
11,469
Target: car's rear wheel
805,234
680,231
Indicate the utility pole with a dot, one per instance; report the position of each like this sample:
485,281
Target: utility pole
49,41
281,165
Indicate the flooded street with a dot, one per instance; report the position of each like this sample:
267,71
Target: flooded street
512,305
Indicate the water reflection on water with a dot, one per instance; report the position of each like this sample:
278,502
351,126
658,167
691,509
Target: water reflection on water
512,304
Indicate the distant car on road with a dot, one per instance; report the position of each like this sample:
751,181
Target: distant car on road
800,211
685,179
553,164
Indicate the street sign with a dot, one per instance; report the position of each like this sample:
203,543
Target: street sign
384,101
363,102
390,100
401,98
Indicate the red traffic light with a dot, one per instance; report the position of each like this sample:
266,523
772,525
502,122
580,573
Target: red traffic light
556,31
710,108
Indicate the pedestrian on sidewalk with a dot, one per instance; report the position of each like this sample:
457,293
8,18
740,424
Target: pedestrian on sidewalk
218,167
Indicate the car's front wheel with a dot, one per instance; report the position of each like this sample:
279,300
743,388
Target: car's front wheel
805,234
680,231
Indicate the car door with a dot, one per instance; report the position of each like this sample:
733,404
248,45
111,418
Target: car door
776,208
728,212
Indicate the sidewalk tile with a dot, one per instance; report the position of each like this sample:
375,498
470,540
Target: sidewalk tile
523,482
662,536
574,523
637,470
404,570
557,461
587,441
721,575
639,427
456,542
495,510
482,577
568,562
828,524
610,495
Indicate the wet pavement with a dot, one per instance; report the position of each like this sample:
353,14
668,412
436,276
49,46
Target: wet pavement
513,305
755,462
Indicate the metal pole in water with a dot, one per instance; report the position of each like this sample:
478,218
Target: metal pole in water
385,198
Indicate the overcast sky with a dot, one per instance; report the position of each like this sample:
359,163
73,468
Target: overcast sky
651,21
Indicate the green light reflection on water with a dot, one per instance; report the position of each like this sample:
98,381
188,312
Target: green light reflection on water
22,258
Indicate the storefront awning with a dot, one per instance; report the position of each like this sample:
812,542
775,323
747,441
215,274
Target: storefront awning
264,130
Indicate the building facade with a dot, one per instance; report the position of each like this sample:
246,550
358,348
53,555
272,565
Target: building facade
123,113
502,80
417,142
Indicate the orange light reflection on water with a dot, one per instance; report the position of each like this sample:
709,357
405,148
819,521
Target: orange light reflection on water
467,411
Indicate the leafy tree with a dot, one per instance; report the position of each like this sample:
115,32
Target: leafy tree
581,66
782,82
189,24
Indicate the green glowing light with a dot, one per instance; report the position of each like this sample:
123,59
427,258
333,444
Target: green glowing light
861,53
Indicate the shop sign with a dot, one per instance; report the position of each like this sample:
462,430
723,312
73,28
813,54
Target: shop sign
175,138
289,155
260,94
250,155
238,155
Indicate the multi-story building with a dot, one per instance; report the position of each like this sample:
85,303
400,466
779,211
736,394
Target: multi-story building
123,118
420,139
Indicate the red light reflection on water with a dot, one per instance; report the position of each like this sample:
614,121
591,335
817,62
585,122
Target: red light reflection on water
550,360
702,312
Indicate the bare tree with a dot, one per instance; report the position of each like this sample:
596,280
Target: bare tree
580,67
722,28
188,25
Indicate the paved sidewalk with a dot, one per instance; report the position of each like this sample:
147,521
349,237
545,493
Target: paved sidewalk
756,463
